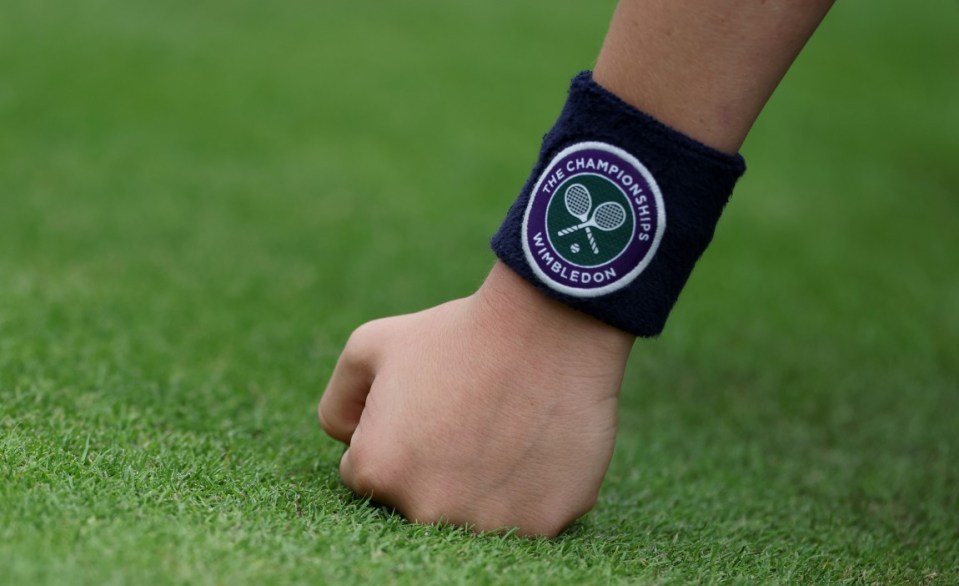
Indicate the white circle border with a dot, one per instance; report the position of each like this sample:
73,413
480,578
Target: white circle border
634,272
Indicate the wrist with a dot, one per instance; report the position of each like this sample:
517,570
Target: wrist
616,212
536,320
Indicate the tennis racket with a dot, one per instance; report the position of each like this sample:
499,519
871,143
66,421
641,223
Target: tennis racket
607,216
578,204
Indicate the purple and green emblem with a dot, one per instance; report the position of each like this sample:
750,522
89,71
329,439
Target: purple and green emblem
594,220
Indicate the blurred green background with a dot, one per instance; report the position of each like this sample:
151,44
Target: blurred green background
200,200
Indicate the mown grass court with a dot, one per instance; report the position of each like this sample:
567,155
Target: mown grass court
199,201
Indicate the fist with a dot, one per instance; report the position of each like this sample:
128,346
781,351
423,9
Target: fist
494,411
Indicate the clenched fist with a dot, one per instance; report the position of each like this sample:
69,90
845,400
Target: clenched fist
494,411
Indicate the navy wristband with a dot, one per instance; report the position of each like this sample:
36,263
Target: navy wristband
616,212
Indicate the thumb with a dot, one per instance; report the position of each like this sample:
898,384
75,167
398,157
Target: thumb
345,395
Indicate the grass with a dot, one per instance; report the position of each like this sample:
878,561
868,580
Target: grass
198,202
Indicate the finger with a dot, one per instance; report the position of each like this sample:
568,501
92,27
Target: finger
369,482
356,473
345,396
347,472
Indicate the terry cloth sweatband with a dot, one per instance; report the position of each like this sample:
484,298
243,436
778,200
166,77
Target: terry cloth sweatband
617,210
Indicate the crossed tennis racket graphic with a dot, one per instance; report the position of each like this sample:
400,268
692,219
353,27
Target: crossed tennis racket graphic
606,216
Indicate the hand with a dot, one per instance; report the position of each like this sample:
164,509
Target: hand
494,411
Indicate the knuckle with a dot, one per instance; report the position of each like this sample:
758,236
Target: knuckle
557,523
550,521
425,513
366,483
424,504
330,425
587,505
366,479
324,420
374,474
362,339
573,512
548,525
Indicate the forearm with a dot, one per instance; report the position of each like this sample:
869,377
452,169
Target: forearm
703,67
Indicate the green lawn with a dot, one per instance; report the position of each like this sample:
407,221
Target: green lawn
199,201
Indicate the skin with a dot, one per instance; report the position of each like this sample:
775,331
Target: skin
498,410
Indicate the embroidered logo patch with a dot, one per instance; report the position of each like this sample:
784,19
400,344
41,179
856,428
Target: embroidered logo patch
594,220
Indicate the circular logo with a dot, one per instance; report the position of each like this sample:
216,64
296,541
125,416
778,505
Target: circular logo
594,220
